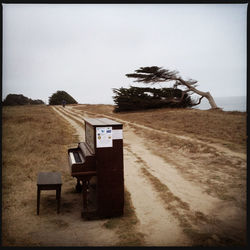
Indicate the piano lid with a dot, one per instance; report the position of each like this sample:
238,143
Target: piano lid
101,122
85,149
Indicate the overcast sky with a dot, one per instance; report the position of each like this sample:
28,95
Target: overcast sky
86,49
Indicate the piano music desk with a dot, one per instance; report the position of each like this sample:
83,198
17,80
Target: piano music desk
49,181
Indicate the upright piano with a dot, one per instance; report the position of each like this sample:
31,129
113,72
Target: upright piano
97,164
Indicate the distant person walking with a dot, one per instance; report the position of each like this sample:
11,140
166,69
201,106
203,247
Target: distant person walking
63,103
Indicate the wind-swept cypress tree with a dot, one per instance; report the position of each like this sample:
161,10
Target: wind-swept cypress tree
156,74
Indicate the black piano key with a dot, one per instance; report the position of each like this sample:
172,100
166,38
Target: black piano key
77,157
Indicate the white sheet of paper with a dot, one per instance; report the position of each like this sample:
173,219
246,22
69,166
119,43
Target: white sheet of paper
117,134
104,137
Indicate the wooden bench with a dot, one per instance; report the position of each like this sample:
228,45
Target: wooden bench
49,181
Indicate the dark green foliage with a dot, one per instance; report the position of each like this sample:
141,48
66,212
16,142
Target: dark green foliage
154,74
36,101
60,96
135,98
14,99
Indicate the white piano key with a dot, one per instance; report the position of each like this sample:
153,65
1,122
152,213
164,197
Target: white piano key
72,157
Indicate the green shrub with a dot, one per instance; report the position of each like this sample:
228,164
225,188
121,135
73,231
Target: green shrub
15,99
60,96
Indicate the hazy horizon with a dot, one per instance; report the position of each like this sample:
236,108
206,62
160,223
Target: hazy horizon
87,49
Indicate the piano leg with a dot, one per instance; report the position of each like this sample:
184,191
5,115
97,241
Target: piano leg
84,195
78,186
87,212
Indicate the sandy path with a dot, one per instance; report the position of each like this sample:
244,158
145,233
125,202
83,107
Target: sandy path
158,225
79,130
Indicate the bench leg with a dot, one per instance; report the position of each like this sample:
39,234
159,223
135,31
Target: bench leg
38,201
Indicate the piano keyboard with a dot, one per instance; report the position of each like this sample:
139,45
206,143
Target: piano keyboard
75,157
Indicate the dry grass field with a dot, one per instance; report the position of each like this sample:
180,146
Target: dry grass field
36,140
187,165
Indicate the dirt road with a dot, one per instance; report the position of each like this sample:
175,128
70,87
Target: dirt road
172,210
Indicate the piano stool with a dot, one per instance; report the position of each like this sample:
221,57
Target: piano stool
49,181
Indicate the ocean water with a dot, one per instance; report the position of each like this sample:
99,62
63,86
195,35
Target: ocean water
233,103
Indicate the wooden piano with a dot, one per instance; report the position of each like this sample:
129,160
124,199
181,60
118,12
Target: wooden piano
97,164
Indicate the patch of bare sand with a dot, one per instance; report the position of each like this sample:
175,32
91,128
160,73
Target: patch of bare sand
68,228
158,225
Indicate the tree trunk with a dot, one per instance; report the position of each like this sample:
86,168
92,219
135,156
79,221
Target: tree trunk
211,101
198,101
201,93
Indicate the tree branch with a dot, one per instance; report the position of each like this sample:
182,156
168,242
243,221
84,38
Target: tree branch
198,101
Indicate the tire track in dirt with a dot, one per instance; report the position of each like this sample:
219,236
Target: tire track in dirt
158,225
218,147
79,131
73,115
